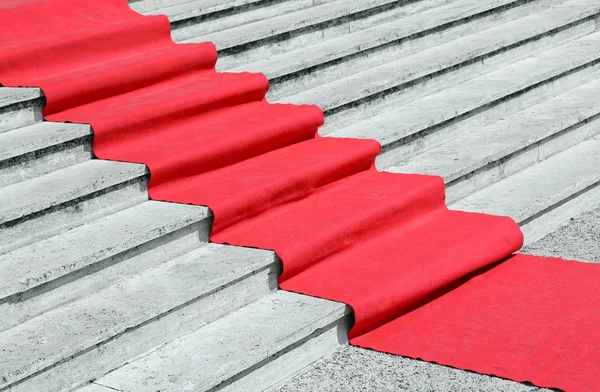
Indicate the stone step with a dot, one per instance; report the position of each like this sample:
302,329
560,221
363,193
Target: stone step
330,59
58,201
365,94
481,100
172,8
544,196
277,34
77,342
511,144
45,274
252,349
42,148
218,16
20,107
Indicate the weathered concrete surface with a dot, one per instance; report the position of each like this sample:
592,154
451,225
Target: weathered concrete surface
88,337
543,197
354,369
235,351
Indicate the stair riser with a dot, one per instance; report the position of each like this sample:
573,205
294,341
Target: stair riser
354,63
343,114
73,213
21,114
287,363
45,161
275,44
92,362
522,159
447,129
217,6
206,24
81,283
551,219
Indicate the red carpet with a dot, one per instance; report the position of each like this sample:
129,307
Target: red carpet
424,281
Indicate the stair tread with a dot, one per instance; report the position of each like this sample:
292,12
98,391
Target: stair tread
39,136
255,31
228,346
37,194
57,256
70,329
452,160
461,98
12,95
198,8
374,80
177,9
539,187
338,47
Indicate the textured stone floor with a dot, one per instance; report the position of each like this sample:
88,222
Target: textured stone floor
353,369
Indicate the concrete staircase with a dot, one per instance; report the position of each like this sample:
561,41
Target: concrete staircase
94,274
475,91
101,285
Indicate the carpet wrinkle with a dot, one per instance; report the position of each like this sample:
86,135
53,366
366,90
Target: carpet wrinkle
384,243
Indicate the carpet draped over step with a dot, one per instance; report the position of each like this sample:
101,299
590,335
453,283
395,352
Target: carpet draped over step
424,281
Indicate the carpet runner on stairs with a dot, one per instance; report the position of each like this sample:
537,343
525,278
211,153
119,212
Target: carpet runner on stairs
424,281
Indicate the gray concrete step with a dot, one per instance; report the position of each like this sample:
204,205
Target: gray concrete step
511,144
252,349
221,15
58,201
41,148
330,59
20,107
47,273
172,8
367,93
544,196
483,99
77,342
279,33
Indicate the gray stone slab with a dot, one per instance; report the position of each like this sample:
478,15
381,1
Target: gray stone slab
539,192
577,239
304,38
39,136
427,21
19,107
103,330
12,95
233,19
223,352
510,144
401,107
288,22
50,259
53,189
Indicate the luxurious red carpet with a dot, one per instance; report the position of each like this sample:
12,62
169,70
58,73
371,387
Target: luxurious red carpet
424,281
